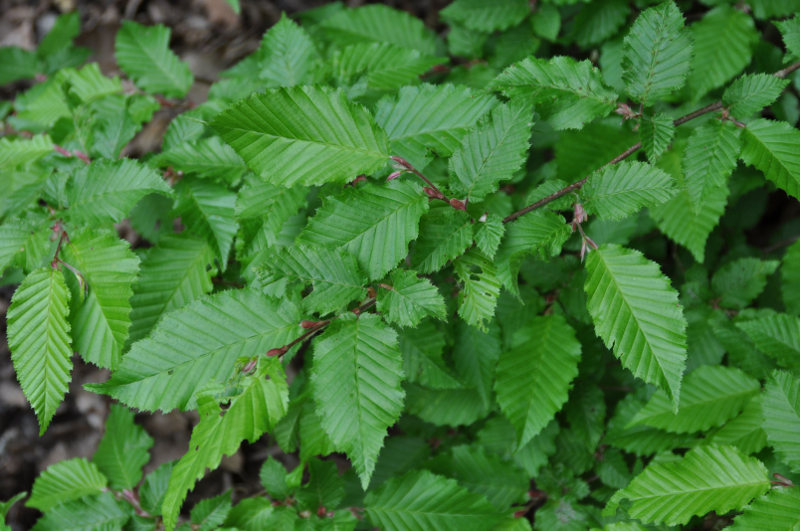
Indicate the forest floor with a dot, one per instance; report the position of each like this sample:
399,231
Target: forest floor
210,37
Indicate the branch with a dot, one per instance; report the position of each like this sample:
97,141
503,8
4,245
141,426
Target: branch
788,70
431,190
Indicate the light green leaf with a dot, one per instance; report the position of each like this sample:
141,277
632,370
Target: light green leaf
777,335
723,45
657,53
38,337
493,152
380,65
745,431
206,157
260,404
481,287
17,63
422,500
782,416
535,374
355,382
199,344
108,267
89,84
210,513
618,191
710,395
445,233
143,53
790,31
105,191
13,237
410,299
567,93
290,56
739,282
303,135
637,314
22,151
96,512
597,21
640,440
172,275
488,234
422,348
124,449
774,148
64,481
486,16
752,92
475,355
375,223
657,134
430,118
708,161
777,510
5,506
208,210
790,276
708,478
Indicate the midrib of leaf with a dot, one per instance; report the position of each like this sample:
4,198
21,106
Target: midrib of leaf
155,60
783,144
198,258
654,58
506,135
682,491
402,206
288,139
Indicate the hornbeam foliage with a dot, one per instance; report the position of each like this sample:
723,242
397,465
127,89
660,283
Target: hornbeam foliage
532,268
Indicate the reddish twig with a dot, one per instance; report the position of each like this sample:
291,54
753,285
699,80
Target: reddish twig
431,190
75,153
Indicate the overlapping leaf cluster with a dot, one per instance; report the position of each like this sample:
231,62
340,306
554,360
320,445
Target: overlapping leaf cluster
509,283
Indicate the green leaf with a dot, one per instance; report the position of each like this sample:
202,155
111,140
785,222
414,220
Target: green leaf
640,440
772,147
5,506
430,118
154,486
710,395
708,478
777,335
64,481
493,152
422,348
422,500
778,509
565,92
739,282
790,31
475,354
745,431
481,287
13,238
66,27
488,234
260,404
172,275
618,191
781,417
143,53
198,344
374,223
535,374
206,157
379,23
124,449
100,324
105,191
486,16
23,151
355,382
790,276
657,54
303,135
637,314
210,513
382,66
752,92
410,299
16,64
273,478
38,337
657,134
709,159
723,45
89,84
445,233
97,512
208,210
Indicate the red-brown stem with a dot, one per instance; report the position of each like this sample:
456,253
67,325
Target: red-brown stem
431,190
788,70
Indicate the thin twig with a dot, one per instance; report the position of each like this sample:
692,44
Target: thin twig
431,190
788,70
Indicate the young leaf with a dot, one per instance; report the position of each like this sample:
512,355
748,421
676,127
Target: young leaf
781,417
98,511
567,93
708,478
380,65
745,431
478,298
13,238
143,53
486,16
22,151
790,276
198,344
637,314
657,133
207,209
64,481
430,118
778,509
124,449
422,500
303,135
445,233
5,506
623,189
657,54
260,404
772,147
210,513
206,157
105,191
375,223
534,375
172,275
492,152
708,161
710,395
100,324
752,92
422,348
408,299
790,31
723,45
776,335
488,234
741,281
38,337
17,63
